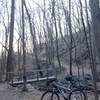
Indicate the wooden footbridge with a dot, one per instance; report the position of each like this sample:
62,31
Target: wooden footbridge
33,76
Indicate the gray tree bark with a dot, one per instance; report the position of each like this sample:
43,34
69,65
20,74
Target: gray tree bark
24,47
56,30
70,31
95,14
10,67
33,34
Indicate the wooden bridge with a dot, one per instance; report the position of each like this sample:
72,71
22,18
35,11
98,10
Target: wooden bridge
33,76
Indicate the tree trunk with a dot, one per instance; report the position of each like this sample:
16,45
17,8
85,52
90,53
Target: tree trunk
10,66
70,31
56,30
24,51
32,31
95,14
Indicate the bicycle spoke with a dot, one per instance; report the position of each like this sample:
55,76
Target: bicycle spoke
77,96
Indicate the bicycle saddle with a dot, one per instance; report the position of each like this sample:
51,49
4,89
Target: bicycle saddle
71,78
68,77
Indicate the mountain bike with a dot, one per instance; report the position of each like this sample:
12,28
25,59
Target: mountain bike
63,91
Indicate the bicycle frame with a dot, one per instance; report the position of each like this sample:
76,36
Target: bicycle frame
64,91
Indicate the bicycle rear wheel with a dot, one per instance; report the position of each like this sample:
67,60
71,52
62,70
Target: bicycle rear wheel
77,95
50,95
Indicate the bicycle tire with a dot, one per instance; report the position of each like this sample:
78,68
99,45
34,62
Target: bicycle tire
51,97
77,95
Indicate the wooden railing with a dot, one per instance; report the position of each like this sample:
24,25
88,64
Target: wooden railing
33,76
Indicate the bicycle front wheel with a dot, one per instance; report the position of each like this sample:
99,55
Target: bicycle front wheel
50,95
77,95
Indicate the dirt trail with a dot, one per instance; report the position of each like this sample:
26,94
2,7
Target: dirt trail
9,93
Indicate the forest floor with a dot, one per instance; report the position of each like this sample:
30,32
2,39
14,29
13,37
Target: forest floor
8,92
11,93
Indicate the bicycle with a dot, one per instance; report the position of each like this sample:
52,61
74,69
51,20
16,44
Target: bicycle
67,91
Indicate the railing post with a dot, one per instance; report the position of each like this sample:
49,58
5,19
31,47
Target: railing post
55,73
37,75
12,77
47,74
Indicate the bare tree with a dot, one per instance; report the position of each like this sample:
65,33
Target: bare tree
10,65
56,30
71,41
95,13
33,34
24,48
